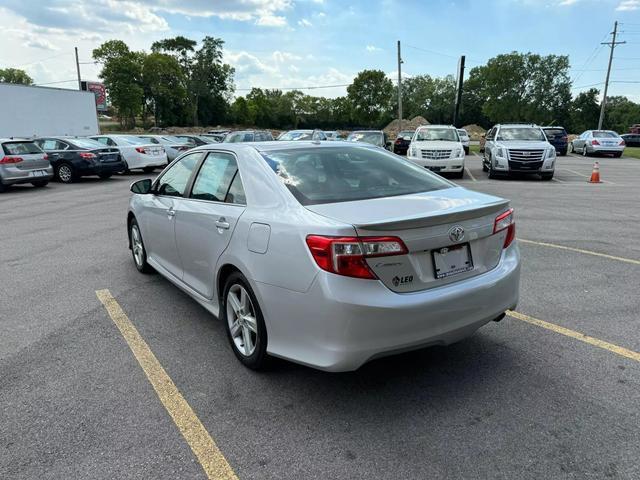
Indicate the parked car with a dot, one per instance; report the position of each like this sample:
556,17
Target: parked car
333,135
518,148
631,139
248,136
173,145
558,137
464,138
297,135
374,137
219,131
326,253
594,142
438,148
22,161
73,157
216,137
197,140
403,140
135,152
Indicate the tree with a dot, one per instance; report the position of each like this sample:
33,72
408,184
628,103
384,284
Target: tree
620,114
370,97
585,110
164,87
432,98
15,75
122,75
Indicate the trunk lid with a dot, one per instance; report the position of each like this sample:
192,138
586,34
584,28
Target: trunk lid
429,225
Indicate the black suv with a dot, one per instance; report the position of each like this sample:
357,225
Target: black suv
557,137
73,157
403,140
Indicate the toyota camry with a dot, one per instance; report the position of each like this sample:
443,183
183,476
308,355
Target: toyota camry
328,254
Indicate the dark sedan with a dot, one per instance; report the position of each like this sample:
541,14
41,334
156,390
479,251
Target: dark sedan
631,139
72,158
403,140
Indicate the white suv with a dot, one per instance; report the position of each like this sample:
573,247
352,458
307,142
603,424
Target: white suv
518,148
438,148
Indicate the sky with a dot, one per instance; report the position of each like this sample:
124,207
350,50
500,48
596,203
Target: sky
325,43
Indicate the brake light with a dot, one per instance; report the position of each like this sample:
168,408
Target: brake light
45,157
347,255
141,150
87,155
506,221
7,160
565,138
398,141
595,142
622,144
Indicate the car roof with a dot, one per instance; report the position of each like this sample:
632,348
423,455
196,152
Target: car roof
552,126
274,145
517,125
367,131
436,126
16,139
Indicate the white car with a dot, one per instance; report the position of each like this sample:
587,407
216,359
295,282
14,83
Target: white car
174,146
438,148
329,254
136,153
464,138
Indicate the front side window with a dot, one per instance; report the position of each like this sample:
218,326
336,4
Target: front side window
215,177
343,174
173,182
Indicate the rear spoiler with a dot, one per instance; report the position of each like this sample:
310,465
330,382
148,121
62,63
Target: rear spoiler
403,223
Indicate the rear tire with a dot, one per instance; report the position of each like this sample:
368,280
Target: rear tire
65,173
617,155
148,169
244,323
138,250
563,153
40,184
3,187
585,153
466,150
105,176
570,147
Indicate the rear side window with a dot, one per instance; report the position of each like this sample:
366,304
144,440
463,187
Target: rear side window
20,148
342,174
215,177
173,182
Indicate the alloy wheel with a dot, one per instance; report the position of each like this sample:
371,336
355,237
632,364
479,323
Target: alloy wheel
136,246
241,317
64,173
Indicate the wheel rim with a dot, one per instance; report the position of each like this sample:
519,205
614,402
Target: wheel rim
136,245
64,173
241,318
584,151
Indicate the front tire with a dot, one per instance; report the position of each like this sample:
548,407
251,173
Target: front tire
492,173
244,322
459,174
546,176
105,176
66,173
148,169
137,248
585,153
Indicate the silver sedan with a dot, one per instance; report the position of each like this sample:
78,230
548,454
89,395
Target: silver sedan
328,254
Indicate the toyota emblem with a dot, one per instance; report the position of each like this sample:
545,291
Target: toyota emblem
456,233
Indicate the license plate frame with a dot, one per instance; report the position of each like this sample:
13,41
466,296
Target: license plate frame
457,257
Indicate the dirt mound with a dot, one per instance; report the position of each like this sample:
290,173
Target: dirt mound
474,131
415,122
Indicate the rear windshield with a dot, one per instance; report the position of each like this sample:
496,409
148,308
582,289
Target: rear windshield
406,134
375,138
239,137
173,139
342,174
20,148
296,135
522,134
437,134
135,140
555,132
87,143
604,134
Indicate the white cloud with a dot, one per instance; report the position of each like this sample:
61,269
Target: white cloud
566,3
372,48
40,43
280,57
628,5
271,21
305,23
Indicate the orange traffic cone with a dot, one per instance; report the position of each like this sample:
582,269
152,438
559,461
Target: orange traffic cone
595,174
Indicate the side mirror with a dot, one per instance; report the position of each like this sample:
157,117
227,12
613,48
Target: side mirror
141,186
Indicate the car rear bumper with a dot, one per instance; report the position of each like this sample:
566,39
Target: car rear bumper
11,175
340,323
443,165
605,149
101,168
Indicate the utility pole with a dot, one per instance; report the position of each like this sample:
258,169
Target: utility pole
78,70
456,110
612,44
399,89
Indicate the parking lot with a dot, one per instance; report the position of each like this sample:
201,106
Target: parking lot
551,391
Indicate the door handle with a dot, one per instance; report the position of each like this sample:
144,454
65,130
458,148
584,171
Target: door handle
171,213
222,223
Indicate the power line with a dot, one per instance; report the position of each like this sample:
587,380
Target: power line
295,88
592,56
585,86
42,60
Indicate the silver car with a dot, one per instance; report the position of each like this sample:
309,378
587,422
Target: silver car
326,253
173,146
22,161
594,142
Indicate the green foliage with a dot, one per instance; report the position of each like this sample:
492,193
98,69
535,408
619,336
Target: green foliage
15,75
585,110
370,97
165,88
620,114
432,98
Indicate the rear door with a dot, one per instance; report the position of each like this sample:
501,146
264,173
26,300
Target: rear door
206,220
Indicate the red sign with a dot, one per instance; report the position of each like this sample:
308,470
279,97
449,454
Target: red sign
100,93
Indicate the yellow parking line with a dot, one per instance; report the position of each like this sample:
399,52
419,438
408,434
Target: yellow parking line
580,250
623,352
469,173
204,448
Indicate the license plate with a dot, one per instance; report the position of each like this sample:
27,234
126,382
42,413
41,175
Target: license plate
449,261
435,169
155,151
38,173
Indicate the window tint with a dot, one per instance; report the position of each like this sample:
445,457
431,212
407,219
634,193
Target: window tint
236,191
174,181
343,174
214,177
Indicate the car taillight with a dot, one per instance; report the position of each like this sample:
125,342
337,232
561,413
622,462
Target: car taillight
141,150
595,142
565,138
622,144
87,155
506,221
6,160
398,141
45,157
347,255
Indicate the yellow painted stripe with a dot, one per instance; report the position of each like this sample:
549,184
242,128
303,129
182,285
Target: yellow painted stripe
204,448
623,352
580,250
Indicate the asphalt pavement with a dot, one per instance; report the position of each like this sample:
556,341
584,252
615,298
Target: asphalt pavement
514,401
